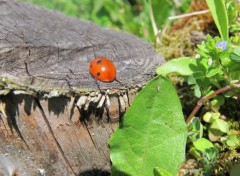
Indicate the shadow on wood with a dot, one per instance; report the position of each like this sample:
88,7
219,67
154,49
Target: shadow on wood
84,142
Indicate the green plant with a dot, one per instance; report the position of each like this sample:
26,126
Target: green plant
214,75
152,137
134,146
209,159
128,15
233,8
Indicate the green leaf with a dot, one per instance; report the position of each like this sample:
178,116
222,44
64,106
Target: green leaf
181,66
217,128
218,101
213,71
197,91
161,172
210,155
220,125
194,152
207,117
214,135
215,116
211,117
235,55
153,132
202,144
195,129
191,80
235,75
232,140
219,13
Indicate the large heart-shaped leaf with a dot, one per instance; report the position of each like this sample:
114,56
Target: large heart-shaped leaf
153,133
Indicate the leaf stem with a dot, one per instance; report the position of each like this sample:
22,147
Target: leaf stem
188,14
206,98
153,21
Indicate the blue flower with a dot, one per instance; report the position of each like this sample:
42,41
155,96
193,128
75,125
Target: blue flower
222,45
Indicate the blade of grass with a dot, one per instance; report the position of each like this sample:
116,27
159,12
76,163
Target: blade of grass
219,13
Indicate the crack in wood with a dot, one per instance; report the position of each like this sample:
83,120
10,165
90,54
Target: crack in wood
52,133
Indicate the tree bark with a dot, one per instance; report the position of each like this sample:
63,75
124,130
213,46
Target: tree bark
53,115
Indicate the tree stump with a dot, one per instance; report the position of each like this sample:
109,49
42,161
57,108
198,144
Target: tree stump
55,117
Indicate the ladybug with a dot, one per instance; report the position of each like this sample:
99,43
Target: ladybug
102,69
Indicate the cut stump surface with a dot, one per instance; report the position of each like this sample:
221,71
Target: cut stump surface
54,118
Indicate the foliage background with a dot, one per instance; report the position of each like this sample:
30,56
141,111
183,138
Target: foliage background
129,15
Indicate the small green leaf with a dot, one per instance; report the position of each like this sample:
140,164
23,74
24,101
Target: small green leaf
181,66
210,155
214,135
235,75
232,140
207,117
197,91
195,129
194,152
211,117
153,132
213,71
202,144
218,101
215,116
198,75
220,125
219,13
191,80
235,55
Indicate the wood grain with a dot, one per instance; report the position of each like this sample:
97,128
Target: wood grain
45,50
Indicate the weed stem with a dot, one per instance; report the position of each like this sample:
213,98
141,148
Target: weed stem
188,14
206,98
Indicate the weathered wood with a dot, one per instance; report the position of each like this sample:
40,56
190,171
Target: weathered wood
51,114
44,50
84,144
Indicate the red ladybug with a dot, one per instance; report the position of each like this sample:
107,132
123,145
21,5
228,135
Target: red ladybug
102,69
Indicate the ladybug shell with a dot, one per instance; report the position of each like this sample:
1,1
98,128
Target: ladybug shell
102,69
